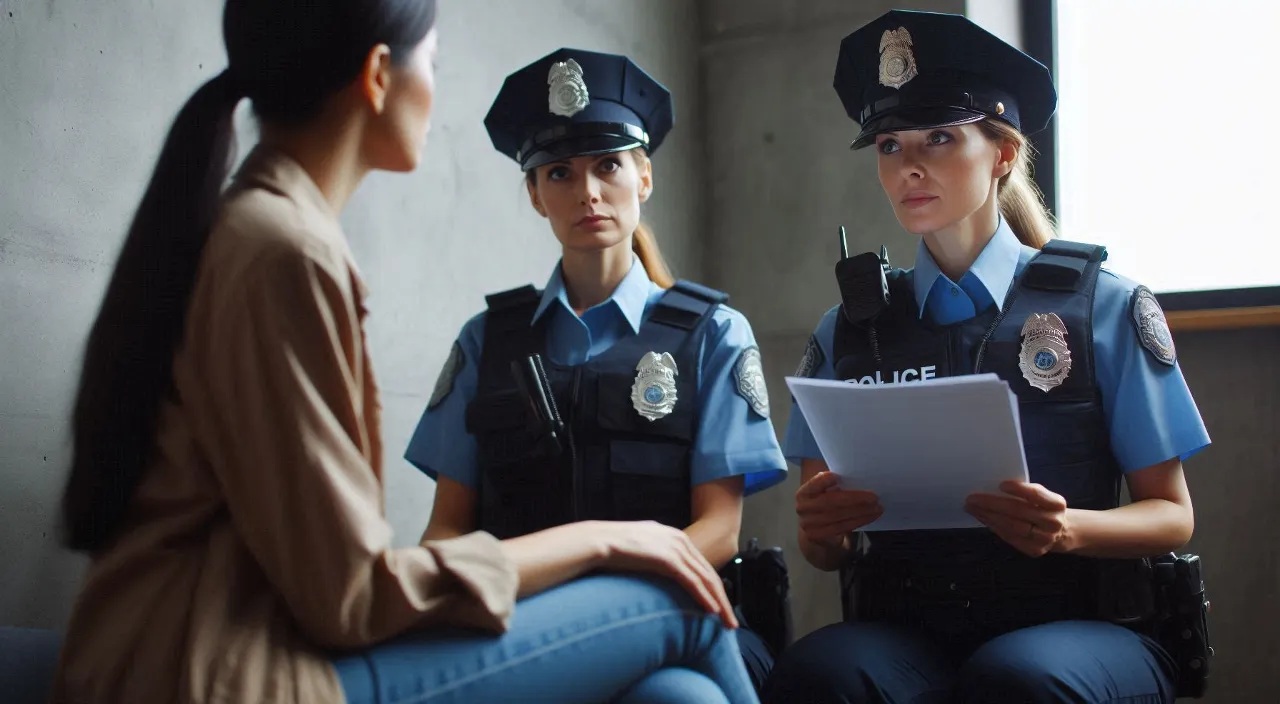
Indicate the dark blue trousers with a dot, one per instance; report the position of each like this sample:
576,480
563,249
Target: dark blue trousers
1065,661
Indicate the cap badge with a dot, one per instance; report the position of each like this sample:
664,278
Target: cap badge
568,93
897,63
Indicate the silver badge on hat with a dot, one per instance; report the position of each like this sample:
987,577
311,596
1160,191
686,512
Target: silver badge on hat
1045,360
897,63
1153,329
748,371
654,392
568,94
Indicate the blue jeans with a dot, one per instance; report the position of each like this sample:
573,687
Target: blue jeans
1063,661
609,638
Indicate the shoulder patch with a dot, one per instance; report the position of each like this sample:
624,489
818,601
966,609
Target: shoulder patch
444,383
748,372
1153,329
812,359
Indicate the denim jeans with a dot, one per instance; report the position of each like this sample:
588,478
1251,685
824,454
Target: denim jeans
606,638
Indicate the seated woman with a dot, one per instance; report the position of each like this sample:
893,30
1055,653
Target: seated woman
659,385
227,473
1012,612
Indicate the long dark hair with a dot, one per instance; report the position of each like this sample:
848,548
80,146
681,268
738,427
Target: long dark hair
288,57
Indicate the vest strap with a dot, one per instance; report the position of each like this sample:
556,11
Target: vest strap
1061,264
512,298
685,303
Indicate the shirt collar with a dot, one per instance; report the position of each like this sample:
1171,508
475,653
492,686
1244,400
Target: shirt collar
994,268
630,297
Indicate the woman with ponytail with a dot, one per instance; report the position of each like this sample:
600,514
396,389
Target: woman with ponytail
227,472
614,393
1033,598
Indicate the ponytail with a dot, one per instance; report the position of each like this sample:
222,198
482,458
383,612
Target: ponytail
645,245
128,359
1020,200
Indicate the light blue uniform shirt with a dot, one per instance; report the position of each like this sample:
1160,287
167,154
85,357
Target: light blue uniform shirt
732,439
1149,410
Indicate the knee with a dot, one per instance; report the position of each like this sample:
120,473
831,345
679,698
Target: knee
820,667
674,685
1015,667
1010,679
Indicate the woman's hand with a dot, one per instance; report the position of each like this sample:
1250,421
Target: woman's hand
1027,516
649,546
828,513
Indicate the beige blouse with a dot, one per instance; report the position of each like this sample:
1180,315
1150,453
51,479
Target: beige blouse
257,544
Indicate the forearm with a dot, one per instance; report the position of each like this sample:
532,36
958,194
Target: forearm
1140,529
554,556
716,538
827,558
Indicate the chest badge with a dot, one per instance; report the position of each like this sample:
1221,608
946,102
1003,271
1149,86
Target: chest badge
1045,360
654,392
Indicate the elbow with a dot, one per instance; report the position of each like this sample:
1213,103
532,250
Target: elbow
729,544
1185,527
338,626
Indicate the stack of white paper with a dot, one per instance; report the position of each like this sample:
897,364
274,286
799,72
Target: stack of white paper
922,447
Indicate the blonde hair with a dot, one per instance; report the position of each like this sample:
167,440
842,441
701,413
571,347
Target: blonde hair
643,242
1021,203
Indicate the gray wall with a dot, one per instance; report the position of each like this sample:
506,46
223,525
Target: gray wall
87,91
750,191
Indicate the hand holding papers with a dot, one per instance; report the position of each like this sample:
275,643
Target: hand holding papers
921,447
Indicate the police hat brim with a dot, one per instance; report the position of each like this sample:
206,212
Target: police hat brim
565,149
914,119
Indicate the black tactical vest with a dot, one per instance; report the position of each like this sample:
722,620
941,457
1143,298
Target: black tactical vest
615,464
968,583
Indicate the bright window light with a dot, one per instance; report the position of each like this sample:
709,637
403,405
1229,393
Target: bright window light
1168,138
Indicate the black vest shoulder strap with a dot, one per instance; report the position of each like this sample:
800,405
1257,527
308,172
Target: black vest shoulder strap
685,304
516,297
509,332
1061,264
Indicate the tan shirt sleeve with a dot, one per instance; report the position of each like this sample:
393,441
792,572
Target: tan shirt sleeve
286,399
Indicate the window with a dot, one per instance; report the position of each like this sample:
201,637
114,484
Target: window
1168,146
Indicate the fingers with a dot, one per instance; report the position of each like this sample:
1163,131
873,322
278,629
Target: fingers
711,579
1035,494
693,581
825,532
837,500
1015,508
818,484
1018,533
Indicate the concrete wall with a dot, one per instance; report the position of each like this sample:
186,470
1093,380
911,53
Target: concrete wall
87,91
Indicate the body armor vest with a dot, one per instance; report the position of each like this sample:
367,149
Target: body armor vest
968,585
613,463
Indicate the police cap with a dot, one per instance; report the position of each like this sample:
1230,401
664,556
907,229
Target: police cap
578,103
909,70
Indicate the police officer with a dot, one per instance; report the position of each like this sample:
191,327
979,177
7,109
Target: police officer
657,408
1016,610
